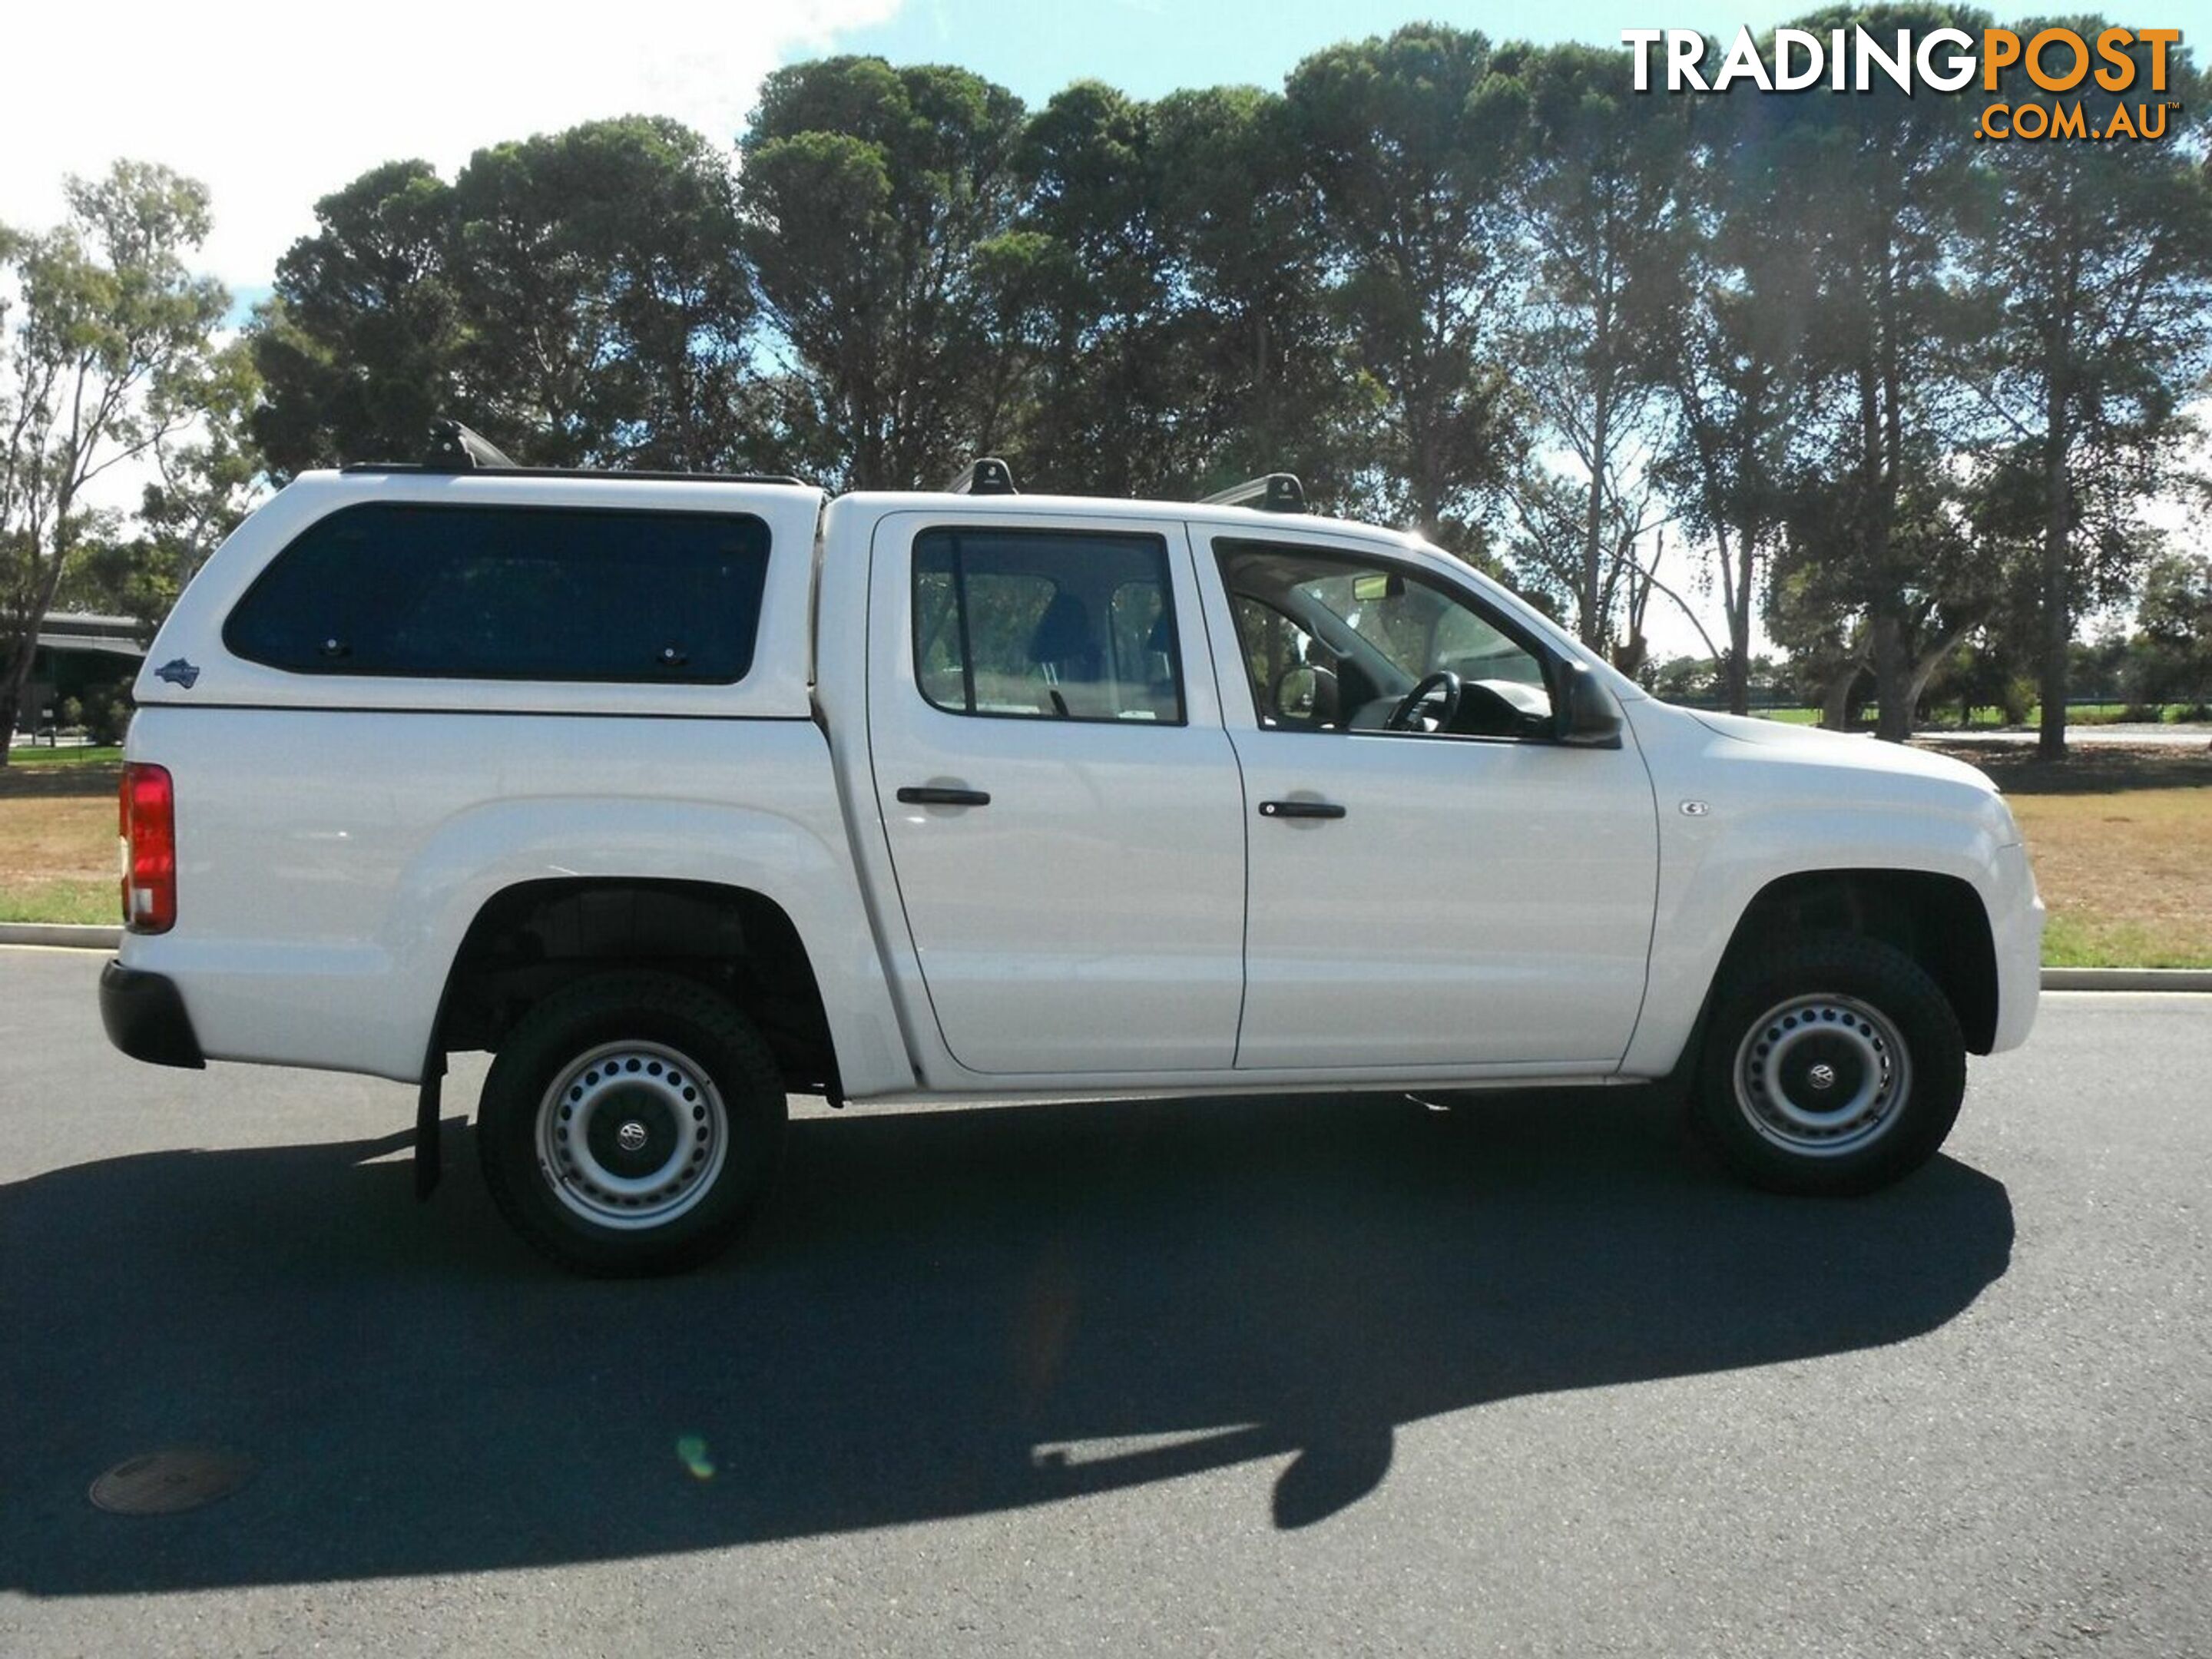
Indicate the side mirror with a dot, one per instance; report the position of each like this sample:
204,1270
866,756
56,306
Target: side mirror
1589,715
1305,695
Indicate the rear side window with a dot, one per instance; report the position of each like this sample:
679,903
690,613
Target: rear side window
1046,625
511,593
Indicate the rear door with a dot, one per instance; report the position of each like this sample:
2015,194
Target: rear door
1063,807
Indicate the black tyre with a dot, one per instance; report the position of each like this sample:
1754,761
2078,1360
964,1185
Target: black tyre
1832,1064
631,1124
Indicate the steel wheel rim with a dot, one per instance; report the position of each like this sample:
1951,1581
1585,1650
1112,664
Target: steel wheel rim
631,1135
1822,1075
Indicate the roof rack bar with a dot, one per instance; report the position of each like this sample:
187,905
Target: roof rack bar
1275,492
619,474
988,476
455,448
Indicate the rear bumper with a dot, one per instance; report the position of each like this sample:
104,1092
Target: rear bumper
145,1017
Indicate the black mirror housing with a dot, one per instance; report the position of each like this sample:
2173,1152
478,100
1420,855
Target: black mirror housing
1589,714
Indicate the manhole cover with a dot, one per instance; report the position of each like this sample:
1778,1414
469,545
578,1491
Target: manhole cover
169,1482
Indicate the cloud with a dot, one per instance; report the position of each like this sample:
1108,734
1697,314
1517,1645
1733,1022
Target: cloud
273,107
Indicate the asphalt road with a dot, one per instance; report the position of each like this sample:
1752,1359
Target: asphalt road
1289,1377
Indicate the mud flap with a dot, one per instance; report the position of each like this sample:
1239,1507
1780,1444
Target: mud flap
430,1144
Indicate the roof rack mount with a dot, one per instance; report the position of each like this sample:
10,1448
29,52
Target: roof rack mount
988,475
457,448
1274,492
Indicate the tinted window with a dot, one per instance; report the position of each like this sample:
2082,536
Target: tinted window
498,592
1371,632
1046,625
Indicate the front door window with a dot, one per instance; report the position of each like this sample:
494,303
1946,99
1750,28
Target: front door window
1333,641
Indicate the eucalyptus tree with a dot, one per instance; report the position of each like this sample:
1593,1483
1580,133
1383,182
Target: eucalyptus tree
1096,307
578,296
1260,346
2101,266
606,310
1599,199
204,478
359,347
869,192
1886,188
109,333
2173,642
1728,361
1409,141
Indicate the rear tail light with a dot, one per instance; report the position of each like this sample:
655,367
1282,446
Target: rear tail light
149,848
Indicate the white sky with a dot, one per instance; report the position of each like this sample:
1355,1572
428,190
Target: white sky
273,107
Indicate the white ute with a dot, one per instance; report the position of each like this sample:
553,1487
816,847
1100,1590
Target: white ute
677,793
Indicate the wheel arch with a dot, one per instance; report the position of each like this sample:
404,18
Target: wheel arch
529,939
1937,920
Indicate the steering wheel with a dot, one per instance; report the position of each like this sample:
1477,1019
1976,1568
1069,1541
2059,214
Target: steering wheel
1410,708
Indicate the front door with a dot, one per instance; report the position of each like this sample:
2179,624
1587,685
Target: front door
1066,824
1430,885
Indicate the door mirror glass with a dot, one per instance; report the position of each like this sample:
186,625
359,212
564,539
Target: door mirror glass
1305,694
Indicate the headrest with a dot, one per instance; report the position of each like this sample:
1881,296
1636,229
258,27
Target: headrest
1063,633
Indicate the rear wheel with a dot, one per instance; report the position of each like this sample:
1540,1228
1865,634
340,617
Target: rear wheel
1833,1064
631,1124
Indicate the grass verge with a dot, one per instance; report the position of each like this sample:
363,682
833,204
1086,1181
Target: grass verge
91,903
2124,874
32,754
58,858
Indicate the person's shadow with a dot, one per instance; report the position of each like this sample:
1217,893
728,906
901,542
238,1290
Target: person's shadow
944,1313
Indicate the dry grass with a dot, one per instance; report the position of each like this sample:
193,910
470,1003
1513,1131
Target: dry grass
65,838
2128,876
2127,872
58,858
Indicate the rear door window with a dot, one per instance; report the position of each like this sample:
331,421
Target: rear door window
1046,625
424,591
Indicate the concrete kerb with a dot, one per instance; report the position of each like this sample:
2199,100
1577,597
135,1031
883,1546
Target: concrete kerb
68,937
2127,979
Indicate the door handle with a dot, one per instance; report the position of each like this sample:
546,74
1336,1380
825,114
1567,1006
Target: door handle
931,795
1300,809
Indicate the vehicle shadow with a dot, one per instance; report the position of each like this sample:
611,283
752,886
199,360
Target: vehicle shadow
944,1313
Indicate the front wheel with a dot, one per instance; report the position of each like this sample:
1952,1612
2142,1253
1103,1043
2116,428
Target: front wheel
631,1124
1833,1064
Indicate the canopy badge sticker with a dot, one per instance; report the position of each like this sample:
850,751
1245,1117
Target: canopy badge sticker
2106,86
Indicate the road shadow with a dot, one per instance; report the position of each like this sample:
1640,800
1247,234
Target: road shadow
945,1313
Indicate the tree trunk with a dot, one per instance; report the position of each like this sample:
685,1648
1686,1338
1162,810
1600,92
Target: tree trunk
1736,674
1923,669
1592,623
1836,700
1892,676
1738,583
12,685
2057,525
1737,593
